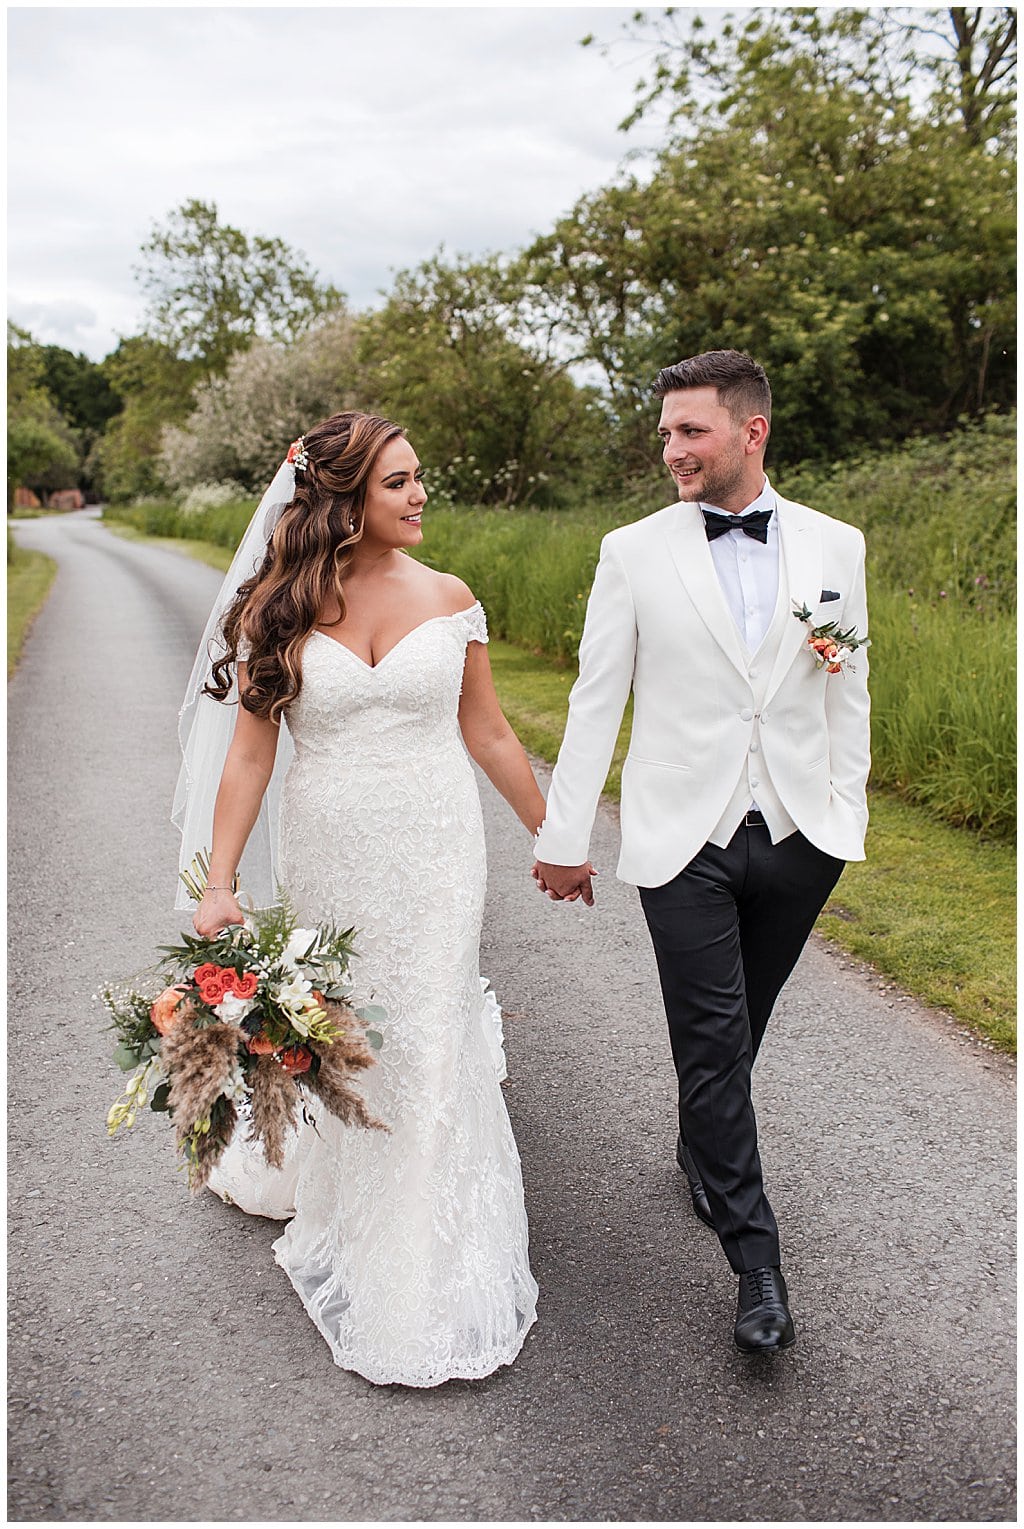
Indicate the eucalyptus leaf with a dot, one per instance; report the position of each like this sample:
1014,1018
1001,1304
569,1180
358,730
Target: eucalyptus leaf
374,1039
159,1099
372,1013
126,1057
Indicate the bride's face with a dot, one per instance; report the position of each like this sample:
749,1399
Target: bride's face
395,497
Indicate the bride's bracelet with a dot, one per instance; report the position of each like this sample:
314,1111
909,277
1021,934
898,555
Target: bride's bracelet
209,888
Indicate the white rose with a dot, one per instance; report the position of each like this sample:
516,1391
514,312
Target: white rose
232,1009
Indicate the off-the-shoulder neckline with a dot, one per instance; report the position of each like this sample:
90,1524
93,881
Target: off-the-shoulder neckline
452,616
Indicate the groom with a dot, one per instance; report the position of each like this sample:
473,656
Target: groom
744,789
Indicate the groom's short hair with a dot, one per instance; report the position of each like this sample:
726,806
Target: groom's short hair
742,384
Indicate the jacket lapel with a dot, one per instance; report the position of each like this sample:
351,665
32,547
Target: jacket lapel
688,544
799,582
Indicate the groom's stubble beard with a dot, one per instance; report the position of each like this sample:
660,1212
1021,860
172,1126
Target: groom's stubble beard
715,484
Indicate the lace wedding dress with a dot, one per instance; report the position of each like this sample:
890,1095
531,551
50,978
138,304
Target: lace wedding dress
408,1249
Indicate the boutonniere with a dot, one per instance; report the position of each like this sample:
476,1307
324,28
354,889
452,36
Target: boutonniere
832,647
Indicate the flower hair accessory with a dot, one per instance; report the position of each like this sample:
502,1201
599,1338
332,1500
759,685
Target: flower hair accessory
298,456
832,647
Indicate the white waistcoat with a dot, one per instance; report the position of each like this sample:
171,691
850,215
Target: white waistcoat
754,783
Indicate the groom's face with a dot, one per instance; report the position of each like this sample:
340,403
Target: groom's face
707,451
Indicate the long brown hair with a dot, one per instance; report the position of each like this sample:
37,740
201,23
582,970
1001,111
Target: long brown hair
306,560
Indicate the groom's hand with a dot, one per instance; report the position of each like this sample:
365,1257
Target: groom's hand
564,883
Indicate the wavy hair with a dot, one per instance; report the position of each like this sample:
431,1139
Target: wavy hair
305,564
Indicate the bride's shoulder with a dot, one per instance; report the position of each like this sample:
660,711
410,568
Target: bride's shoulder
450,593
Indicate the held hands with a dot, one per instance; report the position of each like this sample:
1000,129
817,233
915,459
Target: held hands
564,883
218,909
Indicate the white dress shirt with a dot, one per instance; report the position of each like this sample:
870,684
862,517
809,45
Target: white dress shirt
748,571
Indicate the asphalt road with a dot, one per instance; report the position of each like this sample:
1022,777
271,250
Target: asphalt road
160,1366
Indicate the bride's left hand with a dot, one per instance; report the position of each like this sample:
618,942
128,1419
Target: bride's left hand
217,910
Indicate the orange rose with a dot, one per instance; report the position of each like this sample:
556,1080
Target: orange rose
321,1000
216,982
204,973
245,986
259,1045
163,1009
296,1059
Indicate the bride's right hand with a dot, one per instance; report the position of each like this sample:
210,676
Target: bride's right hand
217,910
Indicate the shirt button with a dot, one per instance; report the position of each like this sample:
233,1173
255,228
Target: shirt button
753,748
753,673
746,715
754,781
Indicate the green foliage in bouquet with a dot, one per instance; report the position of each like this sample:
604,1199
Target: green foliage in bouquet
241,1021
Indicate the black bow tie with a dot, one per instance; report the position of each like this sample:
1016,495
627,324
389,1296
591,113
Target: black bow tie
755,525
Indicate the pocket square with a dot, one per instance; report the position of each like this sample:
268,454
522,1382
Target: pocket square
828,594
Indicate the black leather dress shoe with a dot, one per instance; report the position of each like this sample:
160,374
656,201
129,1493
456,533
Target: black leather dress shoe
698,1194
763,1322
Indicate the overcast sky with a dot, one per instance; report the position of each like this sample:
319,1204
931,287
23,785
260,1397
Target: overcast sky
365,138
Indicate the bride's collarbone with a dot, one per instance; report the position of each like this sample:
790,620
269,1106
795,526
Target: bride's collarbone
372,641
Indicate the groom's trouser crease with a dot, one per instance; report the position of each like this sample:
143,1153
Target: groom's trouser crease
727,931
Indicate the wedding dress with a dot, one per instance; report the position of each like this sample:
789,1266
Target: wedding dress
408,1249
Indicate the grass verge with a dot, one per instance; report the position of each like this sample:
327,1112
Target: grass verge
29,576
932,907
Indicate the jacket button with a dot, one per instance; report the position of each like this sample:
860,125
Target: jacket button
746,715
753,748
754,781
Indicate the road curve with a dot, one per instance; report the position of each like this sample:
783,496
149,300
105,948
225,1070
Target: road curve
160,1366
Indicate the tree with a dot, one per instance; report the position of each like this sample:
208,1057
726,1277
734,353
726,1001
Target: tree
460,356
154,387
43,452
81,390
213,289
817,205
242,423
966,57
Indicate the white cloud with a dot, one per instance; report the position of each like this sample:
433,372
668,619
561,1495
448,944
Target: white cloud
365,138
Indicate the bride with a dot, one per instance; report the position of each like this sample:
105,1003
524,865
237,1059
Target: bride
366,674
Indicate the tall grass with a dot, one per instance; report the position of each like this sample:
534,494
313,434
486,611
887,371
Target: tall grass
223,525
940,524
940,516
943,692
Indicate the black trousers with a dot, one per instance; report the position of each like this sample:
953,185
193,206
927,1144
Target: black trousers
727,932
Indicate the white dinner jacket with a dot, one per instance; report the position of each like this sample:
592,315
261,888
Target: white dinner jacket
657,623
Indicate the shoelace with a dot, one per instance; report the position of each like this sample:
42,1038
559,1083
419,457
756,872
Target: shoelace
760,1286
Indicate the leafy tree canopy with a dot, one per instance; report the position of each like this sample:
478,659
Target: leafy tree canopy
213,289
242,424
825,201
154,386
80,388
463,359
43,451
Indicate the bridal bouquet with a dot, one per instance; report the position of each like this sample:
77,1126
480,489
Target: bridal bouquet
246,1020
